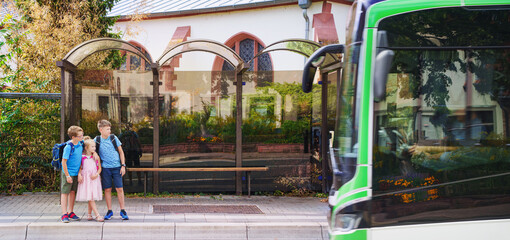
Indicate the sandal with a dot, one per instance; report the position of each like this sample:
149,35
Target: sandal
99,218
89,217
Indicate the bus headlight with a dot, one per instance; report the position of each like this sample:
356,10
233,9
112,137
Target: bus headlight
346,222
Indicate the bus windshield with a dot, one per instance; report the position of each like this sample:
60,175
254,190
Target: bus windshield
345,148
344,151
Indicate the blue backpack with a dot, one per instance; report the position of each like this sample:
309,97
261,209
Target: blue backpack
98,143
58,151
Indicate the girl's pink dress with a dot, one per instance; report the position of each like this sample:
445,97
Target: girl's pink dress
89,189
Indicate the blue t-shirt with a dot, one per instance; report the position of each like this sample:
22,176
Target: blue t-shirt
109,156
73,161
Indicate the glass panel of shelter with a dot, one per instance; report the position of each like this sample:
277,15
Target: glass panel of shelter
197,127
124,97
276,120
277,117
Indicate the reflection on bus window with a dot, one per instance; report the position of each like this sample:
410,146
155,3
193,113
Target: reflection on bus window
441,133
447,125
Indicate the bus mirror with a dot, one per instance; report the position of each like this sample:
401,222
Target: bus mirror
382,40
315,60
382,68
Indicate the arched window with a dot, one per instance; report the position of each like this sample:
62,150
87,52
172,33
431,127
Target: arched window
134,62
247,46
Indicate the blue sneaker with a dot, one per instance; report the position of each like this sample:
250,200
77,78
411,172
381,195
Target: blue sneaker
64,218
124,215
73,217
108,215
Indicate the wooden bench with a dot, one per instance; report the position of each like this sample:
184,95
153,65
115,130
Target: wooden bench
248,171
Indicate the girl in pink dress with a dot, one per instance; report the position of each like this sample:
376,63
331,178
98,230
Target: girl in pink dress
89,188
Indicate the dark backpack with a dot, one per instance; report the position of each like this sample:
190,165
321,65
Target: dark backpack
58,151
98,143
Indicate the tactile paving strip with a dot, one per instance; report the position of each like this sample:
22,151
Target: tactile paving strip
240,209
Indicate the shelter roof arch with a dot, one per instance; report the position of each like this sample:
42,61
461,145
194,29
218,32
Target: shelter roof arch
203,45
291,45
88,48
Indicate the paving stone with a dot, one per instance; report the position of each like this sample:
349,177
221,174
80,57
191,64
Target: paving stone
170,217
137,231
279,230
72,230
210,231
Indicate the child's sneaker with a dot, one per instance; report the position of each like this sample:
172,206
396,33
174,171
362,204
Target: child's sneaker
108,215
64,218
73,217
124,215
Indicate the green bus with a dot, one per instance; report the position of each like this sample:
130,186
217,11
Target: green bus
421,147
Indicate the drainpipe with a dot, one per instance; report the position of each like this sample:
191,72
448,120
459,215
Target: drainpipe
307,26
305,4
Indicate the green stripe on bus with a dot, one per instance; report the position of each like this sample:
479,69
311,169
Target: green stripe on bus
362,194
387,8
360,180
365,100
356,235
485,2
393,7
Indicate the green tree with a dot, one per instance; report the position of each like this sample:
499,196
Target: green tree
32,43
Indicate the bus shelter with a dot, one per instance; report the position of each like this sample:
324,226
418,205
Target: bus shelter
128,96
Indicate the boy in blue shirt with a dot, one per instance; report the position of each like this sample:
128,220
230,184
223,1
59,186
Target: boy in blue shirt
113,165
70,176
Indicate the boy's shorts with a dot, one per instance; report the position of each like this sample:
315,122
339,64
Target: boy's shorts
66,187
109,175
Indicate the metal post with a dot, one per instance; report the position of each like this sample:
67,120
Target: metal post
239,135
72,100
324,129
248,176
62,104
145,184
119,104
66,97
155,153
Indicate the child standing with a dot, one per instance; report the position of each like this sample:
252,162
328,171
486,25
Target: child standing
89,189
114,167
69,177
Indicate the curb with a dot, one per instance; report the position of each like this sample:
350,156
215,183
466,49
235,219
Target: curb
168,230
13,230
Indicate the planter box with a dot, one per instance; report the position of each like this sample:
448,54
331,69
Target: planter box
200,147
193,147
280,148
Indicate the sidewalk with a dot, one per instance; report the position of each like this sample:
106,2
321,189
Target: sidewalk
37,216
